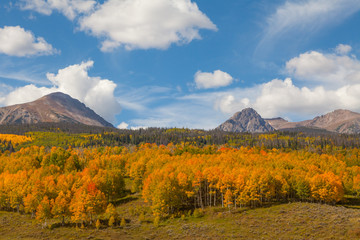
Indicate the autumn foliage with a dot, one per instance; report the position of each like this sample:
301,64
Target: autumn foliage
79,184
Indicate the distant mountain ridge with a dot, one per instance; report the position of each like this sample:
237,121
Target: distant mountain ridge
339,121
55,107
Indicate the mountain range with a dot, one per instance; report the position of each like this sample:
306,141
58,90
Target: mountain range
55,107
61,108
248,120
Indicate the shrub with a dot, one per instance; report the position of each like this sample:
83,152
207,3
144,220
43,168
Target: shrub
198,213
157,221
97,225
123,222
142,218
111,221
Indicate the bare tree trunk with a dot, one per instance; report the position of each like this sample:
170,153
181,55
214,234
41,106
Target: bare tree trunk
222,199
235,201
201,201
209,196
215,198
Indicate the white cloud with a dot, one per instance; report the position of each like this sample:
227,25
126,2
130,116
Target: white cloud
144,24
4,89
96,93
279,97
228,104
16,41
26,94
283,98
123,125
334,80
332,69
343,49
70,8
294,18
212,80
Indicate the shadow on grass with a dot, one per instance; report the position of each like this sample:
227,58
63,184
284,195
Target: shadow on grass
126,199
352,202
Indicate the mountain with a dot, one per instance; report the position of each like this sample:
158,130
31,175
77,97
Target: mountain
248,120
55,107
276,123
340,121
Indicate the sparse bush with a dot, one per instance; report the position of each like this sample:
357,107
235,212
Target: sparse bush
157,221
97,225
111,221
142,218
123,222
198,212
189,213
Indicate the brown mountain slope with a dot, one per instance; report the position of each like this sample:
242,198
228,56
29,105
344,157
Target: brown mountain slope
55,107
276,122
248,120
340,121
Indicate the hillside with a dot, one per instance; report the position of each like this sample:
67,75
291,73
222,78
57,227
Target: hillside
286,221
53,108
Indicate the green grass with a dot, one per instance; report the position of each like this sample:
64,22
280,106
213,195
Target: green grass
285,221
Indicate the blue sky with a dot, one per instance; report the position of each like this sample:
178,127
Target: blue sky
182,63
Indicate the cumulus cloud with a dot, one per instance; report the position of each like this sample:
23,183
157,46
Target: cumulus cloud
334,69
283,98
343,49
229,104
26,94
16,41
75,81
144,24
334,80
70,8
307,16
123,125
212,80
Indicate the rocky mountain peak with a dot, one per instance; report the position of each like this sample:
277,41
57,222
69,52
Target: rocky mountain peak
248,120
245,113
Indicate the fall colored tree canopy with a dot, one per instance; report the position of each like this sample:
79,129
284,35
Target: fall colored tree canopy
77,184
